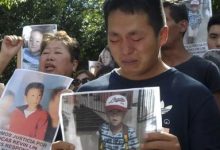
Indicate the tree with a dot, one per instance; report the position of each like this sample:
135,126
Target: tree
216,6
80,18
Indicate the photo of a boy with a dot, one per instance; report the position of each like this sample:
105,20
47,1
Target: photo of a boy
30,119
32,52
195,19
115,134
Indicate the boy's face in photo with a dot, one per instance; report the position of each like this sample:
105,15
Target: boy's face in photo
115,117
35,41
33,98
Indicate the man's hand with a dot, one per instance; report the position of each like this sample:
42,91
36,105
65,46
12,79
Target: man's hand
160,141
60,145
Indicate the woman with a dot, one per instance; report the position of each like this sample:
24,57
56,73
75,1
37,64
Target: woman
59,54
81,77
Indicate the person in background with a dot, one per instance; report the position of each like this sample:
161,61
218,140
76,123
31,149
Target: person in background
103,70
214,32
106,58
174,54
107,62
59,54
213,40
81,77
53,110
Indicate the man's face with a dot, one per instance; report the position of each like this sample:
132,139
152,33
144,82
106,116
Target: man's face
33,98
133,44
115,117
35,41
175,33
56,59
214,37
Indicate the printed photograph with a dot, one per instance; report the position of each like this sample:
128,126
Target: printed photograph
33,36
29,109
199,12
110,119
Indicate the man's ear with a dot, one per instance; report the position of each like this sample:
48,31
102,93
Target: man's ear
163,35
183,25
75,65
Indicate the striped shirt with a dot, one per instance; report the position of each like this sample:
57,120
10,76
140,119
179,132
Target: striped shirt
117,141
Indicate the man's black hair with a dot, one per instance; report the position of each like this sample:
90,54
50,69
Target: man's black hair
214,20
153,9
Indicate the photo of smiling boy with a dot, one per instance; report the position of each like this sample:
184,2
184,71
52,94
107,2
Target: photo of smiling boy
115,134
30,119
32,52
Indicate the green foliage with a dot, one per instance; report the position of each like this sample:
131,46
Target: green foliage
216,6
79,18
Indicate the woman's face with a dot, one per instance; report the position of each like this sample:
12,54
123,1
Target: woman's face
56,59
106,58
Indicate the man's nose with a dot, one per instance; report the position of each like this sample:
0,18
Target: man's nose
126,47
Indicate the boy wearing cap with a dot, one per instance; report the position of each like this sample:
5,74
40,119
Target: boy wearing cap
115,134
195,20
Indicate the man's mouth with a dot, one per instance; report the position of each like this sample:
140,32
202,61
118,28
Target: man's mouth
129,61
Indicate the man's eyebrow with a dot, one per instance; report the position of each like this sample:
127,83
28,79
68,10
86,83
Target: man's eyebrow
213,33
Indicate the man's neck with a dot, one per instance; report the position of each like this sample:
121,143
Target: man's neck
175,55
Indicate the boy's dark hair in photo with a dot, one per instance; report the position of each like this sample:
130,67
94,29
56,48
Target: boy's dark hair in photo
36,85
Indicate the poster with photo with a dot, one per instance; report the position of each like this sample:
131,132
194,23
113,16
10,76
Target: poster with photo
199,12
29,106
93,120
94,66
30,52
